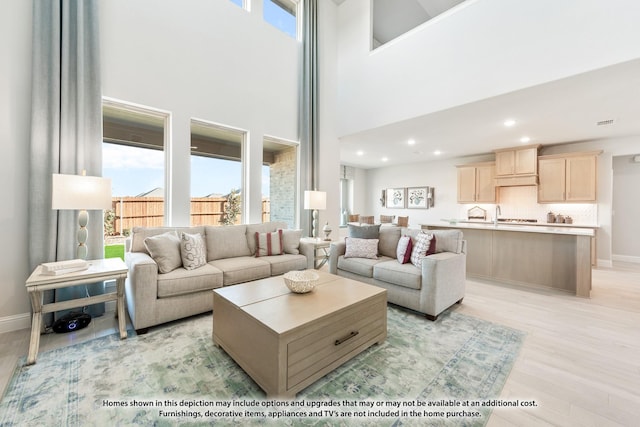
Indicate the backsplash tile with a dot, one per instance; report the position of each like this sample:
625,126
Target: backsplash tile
522,203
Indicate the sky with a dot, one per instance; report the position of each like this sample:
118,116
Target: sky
137,170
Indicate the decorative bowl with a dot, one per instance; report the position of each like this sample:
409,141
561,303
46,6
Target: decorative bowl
301,282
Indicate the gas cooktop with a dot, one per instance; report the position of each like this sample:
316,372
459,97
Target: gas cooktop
518,220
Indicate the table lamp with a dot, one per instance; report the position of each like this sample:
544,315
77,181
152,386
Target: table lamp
82,193
315,200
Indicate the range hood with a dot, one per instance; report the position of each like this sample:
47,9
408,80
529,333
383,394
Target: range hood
516,181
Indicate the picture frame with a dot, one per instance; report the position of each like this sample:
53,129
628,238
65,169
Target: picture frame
418,198
395,198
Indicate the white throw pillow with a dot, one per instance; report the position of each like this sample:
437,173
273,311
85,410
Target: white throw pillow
403,252
165,251
193,251
291,241
361,248
421,248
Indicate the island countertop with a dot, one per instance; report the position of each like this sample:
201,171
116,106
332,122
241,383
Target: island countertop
518,227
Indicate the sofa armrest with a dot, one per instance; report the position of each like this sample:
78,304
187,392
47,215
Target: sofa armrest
141,286
443,281
308,250
336,249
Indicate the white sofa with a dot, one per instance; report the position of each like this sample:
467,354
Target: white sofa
154,297
431,289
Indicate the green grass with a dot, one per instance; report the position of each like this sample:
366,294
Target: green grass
114,251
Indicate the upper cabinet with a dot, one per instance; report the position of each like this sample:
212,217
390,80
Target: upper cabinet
568,177
517,166
476,183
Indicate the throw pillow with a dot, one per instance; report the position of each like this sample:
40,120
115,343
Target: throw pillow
165,251
193,251
291,241
364,231
361,248
268,244
403,252
421,248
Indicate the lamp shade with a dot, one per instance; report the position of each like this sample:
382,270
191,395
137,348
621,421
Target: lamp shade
315,200
79,192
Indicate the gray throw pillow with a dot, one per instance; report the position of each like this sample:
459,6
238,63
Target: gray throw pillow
165,251
364,231
291,241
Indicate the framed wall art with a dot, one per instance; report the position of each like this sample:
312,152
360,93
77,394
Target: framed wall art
418,198
395,198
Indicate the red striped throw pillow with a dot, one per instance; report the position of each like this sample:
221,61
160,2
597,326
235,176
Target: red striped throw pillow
268,244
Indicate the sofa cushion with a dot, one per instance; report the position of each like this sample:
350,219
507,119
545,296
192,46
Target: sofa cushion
192,250
448,240
421,248
242,269
138,234
291,241
403,252
268,244
361,266
281,264
364,231
181,281
406,275
388,241
226,241
165,251
361,248
265,227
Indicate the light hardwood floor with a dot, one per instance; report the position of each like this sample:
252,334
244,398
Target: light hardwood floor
580,360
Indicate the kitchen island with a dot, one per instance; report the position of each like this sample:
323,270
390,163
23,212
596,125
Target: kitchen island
532,255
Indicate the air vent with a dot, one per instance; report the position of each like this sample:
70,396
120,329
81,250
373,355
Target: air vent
605,122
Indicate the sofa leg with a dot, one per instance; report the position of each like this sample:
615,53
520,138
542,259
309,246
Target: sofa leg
142,331
430,317
459,301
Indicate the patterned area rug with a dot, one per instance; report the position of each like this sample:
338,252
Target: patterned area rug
435,373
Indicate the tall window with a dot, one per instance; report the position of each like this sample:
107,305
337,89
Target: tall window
280,159
282,15
133,157
216,174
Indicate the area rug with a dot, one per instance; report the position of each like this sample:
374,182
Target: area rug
425,373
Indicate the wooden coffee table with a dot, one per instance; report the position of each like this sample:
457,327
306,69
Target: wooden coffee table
287,341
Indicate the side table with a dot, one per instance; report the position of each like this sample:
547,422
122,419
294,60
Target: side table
321,248
99,270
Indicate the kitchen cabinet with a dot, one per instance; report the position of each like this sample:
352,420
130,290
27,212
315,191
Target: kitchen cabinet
476,183
567,178
517,161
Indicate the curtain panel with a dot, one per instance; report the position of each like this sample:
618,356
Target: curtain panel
66,127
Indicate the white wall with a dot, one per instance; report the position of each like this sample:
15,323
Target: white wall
203,59
15,105
626,209
463,55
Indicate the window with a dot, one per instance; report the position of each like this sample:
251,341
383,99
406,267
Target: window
216,173
282,15
280,158
133,157
239,3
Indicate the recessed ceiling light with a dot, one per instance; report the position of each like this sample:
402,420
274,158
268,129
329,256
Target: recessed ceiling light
384,159
411,142
525,139
437,152
360,153
510,122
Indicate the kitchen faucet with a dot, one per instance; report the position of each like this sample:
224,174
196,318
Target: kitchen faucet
498,212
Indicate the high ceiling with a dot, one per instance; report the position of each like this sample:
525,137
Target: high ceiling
562,111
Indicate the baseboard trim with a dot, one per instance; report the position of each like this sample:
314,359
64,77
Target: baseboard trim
606,263
15,322
626,258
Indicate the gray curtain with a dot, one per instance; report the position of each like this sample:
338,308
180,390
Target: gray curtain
66,127
309,147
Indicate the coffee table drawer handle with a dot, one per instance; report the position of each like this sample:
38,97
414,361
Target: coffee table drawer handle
348,337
